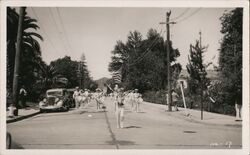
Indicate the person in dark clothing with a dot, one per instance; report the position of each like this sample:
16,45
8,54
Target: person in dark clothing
22,97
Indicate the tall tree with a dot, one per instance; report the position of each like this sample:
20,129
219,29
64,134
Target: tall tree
196,69
230,58
31,52
67,68
142,61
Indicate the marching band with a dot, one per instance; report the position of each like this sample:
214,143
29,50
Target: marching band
130,99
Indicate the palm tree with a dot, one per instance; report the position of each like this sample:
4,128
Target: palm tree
31,51
47,75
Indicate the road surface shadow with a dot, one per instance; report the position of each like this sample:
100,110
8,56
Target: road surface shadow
132,126
189,131
82,112
141,112
234,125
121,142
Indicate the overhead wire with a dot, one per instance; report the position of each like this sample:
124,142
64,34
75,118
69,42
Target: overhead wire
148,50
57,27
64,30
43,30
193,13
179,16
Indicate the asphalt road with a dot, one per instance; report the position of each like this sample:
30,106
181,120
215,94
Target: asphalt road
153,128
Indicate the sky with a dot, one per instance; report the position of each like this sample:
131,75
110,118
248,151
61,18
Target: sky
94,31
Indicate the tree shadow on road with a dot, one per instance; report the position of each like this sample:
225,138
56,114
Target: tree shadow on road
131,127
121,142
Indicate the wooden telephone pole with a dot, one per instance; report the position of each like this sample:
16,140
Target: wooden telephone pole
17,57
168,59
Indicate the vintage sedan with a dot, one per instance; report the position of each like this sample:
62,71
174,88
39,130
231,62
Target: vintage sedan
55,100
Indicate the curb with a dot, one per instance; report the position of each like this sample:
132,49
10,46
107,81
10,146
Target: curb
22,117
190,119
194,120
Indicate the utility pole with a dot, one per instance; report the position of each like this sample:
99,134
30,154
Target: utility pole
200,38
168,59
202,82
17,57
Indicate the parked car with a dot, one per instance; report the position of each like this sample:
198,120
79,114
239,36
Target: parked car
55,100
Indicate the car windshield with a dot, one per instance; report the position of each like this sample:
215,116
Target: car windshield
54,93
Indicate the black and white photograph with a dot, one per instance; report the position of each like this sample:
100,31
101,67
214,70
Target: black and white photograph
132,77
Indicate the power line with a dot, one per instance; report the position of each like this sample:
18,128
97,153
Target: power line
148,50
43,30
193,13
64,30
145,53
57,27
179,16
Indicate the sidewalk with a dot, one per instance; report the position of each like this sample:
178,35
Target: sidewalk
30,111
195,116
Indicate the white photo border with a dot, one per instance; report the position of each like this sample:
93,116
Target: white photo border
124,3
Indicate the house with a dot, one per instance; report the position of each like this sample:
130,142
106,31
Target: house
183,77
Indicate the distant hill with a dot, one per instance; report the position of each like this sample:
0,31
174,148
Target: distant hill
101,82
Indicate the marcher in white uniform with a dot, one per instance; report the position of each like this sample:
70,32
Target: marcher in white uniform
86,95
136,100
120,109
82,99
131,99
116,89
100,98
140,101
76,97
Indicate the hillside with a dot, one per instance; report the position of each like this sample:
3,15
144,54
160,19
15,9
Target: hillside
101,82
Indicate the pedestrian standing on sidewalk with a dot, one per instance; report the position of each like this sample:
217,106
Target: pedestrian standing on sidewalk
76,97
22,96
175,97
120,109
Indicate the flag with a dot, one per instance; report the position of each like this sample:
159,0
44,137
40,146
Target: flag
117,76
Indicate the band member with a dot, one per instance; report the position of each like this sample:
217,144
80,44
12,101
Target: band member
120,108
131,99
140,101
85,97
136,100
116,91
81,98
99,96
76,97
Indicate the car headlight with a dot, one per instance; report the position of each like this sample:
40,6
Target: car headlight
59,103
